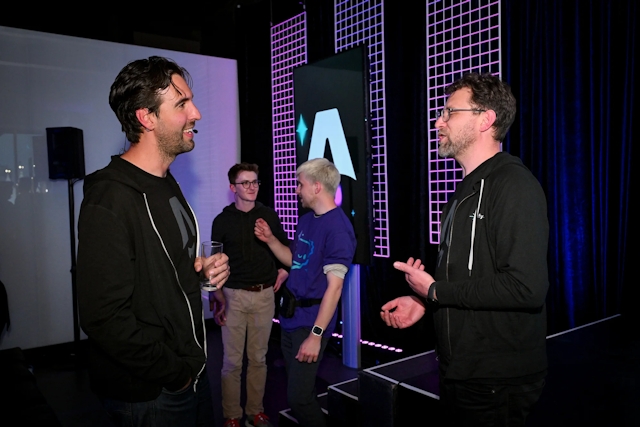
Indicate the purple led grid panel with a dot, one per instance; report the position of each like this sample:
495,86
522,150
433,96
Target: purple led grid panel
462,36
288,50
357,23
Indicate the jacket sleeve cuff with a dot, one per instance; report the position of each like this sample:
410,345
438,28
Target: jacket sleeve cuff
440,289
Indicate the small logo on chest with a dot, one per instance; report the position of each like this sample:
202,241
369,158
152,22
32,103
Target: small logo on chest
480,216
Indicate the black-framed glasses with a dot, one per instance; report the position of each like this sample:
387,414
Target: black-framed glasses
445,113
247,184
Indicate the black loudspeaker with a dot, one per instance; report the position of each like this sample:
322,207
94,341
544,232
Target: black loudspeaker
65,147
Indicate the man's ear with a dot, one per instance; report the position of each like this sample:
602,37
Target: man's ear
146,119
488,120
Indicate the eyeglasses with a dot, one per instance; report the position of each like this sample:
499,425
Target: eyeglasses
445,113
247,184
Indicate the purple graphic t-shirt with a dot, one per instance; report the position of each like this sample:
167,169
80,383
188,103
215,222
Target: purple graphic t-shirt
320,240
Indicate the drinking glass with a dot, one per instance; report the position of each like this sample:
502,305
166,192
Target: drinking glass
208,249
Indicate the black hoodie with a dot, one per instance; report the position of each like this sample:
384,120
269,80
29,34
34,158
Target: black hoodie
491,276
251,260
138,293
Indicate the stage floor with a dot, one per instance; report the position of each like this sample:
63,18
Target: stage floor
593,380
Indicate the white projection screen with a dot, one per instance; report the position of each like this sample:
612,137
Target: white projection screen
49,81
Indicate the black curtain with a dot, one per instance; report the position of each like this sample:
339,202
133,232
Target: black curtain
571,65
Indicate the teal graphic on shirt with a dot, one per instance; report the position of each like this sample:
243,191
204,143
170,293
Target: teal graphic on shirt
302,256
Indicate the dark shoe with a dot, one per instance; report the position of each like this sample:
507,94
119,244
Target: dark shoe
258,420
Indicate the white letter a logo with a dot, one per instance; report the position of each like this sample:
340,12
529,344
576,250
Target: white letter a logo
327,125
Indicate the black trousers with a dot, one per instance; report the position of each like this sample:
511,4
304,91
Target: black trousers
487,405
301,379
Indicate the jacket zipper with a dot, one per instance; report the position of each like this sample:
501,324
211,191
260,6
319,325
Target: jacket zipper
453,221
175,272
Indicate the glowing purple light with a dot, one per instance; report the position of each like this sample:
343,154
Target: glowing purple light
357,23
338,198
288,49
460,38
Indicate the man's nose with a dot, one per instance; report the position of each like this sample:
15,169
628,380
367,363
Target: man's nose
196,113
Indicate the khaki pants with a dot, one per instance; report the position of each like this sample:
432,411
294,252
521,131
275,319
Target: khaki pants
249,318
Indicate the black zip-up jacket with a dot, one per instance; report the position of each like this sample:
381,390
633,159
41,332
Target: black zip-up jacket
145,325
250,259
491,276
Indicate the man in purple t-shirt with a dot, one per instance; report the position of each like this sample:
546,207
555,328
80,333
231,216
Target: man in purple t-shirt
320,257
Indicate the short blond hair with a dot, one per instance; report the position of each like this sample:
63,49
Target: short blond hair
323,171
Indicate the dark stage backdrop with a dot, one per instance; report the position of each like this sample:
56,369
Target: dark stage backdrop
571,65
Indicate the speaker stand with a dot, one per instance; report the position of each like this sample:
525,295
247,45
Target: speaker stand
74,292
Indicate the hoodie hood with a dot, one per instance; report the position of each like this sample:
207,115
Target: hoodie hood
488,167
232,209
115,172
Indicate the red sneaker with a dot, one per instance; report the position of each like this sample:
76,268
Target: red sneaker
232,422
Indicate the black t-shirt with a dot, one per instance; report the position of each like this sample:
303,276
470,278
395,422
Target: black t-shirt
174,221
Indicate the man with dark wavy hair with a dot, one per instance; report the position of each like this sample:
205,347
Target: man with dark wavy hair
488,291
138,289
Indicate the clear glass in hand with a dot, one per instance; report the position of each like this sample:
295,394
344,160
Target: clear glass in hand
208,249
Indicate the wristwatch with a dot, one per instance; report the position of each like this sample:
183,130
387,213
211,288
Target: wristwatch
317,330
431,295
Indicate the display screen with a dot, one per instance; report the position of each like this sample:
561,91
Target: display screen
331,110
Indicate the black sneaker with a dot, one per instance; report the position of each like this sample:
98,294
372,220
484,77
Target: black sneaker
258,420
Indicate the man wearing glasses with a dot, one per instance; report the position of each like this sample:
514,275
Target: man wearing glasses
488,291
246,305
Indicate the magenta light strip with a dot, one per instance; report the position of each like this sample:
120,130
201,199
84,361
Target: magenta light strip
361,22
462,36
364,342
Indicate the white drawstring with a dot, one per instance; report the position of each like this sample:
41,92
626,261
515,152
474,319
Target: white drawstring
175,272
473,226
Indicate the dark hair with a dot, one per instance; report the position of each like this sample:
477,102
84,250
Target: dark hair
138,85
241,167
491,93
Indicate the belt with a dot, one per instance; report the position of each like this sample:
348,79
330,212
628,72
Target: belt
257,288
